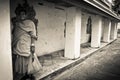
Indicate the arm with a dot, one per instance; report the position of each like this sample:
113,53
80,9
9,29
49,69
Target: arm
32,32
33,39
32,35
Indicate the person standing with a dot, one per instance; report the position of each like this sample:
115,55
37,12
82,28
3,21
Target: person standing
23,43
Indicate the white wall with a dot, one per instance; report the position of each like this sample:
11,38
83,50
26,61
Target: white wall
5,42
50,27
84,35
83,28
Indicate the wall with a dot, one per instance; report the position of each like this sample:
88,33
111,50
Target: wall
5,42
103,25
50,27
84,35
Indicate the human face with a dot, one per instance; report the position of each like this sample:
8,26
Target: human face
22,15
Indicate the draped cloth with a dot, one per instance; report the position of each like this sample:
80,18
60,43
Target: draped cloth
21,44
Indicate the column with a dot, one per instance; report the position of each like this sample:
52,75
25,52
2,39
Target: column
5,41
116,30
113,30
96,31
106,30
73,31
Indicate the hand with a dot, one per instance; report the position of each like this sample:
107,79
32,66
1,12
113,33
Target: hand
36,37
33,36
30,33
32,57
32,49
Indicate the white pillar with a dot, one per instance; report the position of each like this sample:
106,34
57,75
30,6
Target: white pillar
106,30
113,30
116,30
5,41
96,31
73,31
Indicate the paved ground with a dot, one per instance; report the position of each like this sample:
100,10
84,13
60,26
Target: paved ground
102,65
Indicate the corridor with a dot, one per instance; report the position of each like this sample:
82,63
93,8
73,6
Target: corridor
102,65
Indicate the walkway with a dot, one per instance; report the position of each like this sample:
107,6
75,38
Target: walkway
102,65
55,63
